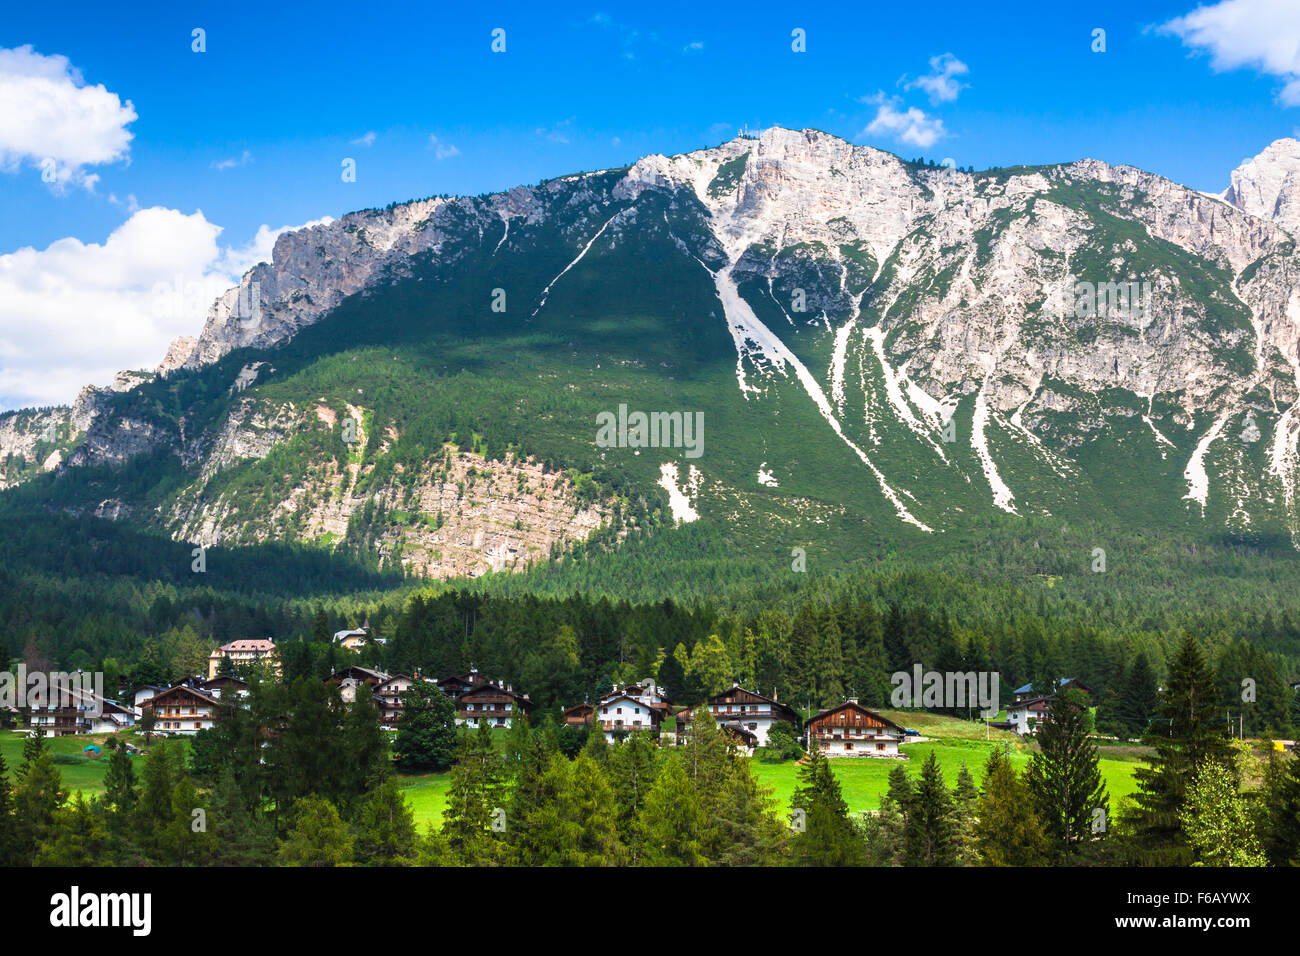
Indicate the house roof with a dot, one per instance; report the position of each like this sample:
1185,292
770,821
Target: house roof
179,690
854,705
1029,688
259,644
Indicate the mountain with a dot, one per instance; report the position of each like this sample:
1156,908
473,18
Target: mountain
883,354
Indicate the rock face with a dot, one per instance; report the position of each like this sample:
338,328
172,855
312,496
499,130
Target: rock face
1268,186
970,339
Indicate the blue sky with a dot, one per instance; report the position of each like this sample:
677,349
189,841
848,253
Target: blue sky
252,132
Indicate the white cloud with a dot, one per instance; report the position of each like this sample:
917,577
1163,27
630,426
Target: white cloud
911,126
941,83
442,150
77,313
367,140
1260,34
694,46
48,115
244,159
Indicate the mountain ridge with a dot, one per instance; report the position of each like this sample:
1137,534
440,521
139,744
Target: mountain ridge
925,318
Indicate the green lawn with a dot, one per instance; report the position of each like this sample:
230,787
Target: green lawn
79,772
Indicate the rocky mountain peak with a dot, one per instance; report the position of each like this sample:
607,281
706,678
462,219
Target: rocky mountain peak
1268,186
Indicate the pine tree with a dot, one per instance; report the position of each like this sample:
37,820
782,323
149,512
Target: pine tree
671,823
631,768
474,798
240,835
887,830
828,836
318,837
1064,777
1008,831
930,838
1138,698
385,828
1188,729
965,800
8,824
37,800
365,747
119,785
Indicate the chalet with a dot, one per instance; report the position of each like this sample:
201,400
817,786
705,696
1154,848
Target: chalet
350,678
579,715
644,693
742,709
245,653
1024,715
234,687
70,709
145,692
1027,692
457,684
183,710
493,703
352,640
621,713
388,698
850,730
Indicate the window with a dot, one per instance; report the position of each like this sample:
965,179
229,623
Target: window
880,746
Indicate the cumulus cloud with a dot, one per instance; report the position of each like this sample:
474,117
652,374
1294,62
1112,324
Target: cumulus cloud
941,84
1259,34
911,125
51,119
76,313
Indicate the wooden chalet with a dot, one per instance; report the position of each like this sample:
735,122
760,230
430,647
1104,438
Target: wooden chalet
579,715
742,709
457,684
491,703
227,684
850,730
388,698
182,710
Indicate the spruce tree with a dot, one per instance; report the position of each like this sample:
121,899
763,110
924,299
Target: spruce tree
828,837
385,828
965,800
8,824
671,823
930,838
1007,831
1064,777
1188,729
1138,698
318,837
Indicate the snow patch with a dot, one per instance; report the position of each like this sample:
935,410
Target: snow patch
1198,482
1002,496
678,501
